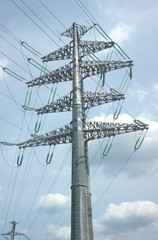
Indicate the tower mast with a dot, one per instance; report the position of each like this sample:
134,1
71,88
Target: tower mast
79,220
78,132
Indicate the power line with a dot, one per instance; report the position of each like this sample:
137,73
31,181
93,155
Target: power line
6,121
76,135
8,187
31,206
12,97
50,189
36,24
117,174
24,56
59,227
17,103
78,12
40,19
23,184
11,197
14,62
50,11
29,212
85,11
9,32
13,189
17,40
82,9
5,159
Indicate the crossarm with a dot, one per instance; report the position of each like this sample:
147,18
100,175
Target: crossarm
63,104
65,52
96,98
59,136
91,68
87,69
92,130
61,74
90,99
95,130
86,47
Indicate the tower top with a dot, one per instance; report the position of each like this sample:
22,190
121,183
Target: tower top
13,222
80,28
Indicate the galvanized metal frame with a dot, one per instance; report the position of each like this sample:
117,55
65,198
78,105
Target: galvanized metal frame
78,132
90,99
87,69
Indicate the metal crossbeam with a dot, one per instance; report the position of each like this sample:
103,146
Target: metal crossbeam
89,100
90,68
95,99
58,136
93,46
61,74
63,104
80,29
95,130
66,52
87,69
78,132
92,130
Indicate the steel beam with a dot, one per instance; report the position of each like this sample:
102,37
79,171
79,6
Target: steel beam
92,130
81,31
87,47
90,99
87,69
96,130
58,136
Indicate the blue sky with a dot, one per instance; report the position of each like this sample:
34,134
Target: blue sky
125,205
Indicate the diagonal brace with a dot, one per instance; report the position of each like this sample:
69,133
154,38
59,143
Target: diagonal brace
58,136
92,130
66,52
96,130
87,69
89,100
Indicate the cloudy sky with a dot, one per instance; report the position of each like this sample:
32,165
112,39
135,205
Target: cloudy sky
124,183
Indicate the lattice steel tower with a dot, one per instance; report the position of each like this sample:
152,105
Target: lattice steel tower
78,132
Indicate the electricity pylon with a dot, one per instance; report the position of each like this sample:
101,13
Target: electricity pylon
12,233
79,132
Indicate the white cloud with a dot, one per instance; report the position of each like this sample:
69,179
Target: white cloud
140,94
154,106
144,162
103,117
24,231
65,172
56,202
58,233
121,32
128,216
155,87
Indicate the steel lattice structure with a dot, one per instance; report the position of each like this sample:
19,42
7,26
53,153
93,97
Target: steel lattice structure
90,99
78,132
87,69
66,52
92,130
